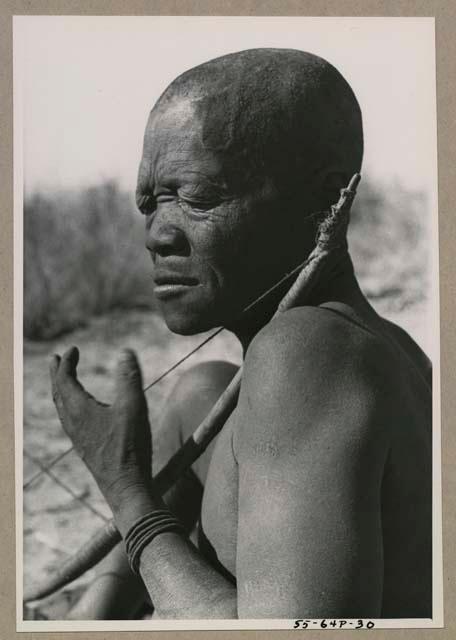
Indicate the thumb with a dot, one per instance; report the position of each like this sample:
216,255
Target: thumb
128,376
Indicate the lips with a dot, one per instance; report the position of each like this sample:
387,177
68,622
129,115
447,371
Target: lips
174,278
172,284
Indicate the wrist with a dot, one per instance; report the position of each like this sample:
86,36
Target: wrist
131,503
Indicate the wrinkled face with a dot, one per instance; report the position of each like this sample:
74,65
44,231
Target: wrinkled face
216,243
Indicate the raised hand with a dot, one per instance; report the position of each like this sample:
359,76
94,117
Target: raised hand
113,440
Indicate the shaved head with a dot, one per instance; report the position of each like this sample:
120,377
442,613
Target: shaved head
238,154
281,113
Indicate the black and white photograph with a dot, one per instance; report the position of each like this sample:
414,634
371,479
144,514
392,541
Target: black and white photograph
227,354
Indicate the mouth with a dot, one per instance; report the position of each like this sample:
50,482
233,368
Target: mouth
170,285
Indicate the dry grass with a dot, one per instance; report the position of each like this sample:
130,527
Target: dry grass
83,255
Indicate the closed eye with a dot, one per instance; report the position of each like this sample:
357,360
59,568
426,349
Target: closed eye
198,203
147,203
200,199
164,197
196,207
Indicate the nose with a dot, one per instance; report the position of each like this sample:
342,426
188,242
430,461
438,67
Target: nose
166,238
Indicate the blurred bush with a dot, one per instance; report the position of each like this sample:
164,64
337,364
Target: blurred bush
84,253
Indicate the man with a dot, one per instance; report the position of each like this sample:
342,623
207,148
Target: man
315,499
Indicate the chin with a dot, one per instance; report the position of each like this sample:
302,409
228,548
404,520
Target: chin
195,312
188,324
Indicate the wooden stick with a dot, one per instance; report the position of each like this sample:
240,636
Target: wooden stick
331,237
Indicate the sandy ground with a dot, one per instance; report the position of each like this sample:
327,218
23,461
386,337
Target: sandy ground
55,523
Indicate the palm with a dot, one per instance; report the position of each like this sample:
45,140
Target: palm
114,440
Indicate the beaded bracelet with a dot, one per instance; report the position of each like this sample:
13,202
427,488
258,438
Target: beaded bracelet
144,530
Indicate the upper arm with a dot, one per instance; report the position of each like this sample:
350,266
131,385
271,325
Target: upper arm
188,404
310,453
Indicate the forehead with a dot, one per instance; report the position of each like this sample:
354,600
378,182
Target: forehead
174,145
166,122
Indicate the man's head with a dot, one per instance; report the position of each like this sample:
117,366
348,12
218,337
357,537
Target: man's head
237,153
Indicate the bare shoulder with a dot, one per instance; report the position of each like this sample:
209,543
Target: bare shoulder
312,376
314,340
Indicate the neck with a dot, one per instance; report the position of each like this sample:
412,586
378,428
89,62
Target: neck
337,283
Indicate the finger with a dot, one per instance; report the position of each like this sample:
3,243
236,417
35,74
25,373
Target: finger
69,361
66,381
53,370
54,366
128,375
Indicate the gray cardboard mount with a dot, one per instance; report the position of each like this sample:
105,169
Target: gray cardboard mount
445,14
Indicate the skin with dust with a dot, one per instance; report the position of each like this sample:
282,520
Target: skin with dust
315,500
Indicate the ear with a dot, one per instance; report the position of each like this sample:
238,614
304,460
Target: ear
331,184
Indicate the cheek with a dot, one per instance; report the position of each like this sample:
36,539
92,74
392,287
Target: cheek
238,248
221,241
